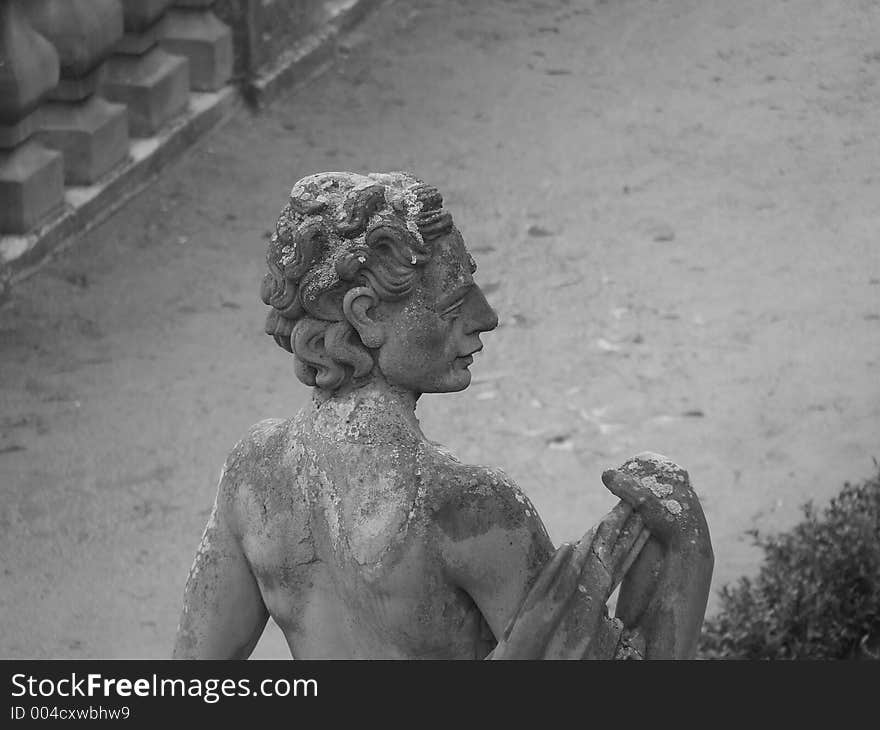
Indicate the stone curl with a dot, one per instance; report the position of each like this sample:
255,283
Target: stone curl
341,230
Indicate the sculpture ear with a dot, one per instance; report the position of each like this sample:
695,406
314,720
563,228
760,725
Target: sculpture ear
356,306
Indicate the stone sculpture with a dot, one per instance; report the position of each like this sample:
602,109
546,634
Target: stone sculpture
364,539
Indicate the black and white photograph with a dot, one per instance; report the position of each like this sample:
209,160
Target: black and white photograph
437,330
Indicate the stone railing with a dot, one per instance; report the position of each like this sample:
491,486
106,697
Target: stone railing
96,96
81,80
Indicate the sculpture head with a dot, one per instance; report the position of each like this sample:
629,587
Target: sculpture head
368,277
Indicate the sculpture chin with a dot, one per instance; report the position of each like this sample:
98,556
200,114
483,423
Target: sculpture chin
457,379
461,381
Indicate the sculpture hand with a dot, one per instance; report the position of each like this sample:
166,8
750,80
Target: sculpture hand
660,492
564,614
664,594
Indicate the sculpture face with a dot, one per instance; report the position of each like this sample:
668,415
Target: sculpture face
369,279
431,337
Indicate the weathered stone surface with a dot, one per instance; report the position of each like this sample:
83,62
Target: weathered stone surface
13,134
29,67
360,536
31,186
154,87
78,88
141,14
5,278
92,135
205,41
137,44
83,32
31,177
142,21
194,3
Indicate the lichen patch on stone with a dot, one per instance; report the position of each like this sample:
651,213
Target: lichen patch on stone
657,488
672,506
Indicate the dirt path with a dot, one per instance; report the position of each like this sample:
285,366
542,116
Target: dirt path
674,206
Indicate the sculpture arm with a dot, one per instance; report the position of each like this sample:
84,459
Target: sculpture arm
496,547
223,612
540,603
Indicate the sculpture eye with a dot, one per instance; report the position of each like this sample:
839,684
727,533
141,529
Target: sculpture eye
452,308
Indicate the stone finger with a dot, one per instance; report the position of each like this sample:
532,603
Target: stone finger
608,530
626,538
635,550
624,486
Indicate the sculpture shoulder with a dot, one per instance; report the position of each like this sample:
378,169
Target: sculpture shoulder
490,537
260,489
467,500
253,462
264,445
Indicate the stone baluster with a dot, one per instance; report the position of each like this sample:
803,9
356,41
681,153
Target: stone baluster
31,175
91,132
151,82
191,29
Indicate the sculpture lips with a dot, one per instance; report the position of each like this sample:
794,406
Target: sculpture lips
469,358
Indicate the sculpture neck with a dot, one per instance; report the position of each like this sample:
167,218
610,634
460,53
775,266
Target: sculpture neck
369,409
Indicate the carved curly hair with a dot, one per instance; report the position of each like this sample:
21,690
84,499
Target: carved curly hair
340,230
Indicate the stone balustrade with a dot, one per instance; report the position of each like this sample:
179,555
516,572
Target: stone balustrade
97,95
91,132
31,175
78,78
151,82
191,29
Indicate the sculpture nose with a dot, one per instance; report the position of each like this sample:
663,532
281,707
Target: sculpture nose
481,316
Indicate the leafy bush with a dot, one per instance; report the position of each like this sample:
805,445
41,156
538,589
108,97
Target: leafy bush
817,593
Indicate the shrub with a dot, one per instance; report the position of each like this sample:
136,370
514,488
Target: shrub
817,592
